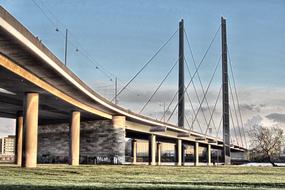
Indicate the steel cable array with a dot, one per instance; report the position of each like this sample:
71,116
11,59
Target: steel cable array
235,110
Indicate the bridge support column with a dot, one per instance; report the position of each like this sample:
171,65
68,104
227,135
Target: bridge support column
159,153
183,154
209,155
30,135
19,139
134,148
152,149
118,144
196,153
119,121
74,138
179,152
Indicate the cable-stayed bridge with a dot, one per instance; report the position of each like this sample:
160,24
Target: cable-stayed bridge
60,118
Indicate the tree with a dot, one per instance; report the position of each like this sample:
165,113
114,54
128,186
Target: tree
267,142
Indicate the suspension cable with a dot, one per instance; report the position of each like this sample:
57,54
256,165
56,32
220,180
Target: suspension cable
168,107
236,137
147,63
187,121
191,104
199,65
220,124
233,102
235,112
198,75
204,94
210,82
166,76
194,87
215,105
237,98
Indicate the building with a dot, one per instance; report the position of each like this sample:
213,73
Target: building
7,145
7,149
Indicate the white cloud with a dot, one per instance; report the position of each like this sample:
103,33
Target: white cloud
265,106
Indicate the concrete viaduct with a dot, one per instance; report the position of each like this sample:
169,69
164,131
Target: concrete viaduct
44,96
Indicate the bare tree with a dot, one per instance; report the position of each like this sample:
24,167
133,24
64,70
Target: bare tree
267,142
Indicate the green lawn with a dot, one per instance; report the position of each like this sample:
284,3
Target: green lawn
141,177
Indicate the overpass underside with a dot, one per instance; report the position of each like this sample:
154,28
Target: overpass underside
51,109
60,119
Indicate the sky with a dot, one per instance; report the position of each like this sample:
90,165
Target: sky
120,36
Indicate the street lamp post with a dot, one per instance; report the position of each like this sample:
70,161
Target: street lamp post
65,49
65,45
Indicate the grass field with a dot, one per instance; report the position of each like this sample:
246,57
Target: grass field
141,177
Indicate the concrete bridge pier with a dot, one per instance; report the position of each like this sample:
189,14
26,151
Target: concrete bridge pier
30,135
118,133
183,154
152,149
19,138
179,152
134,151
74,138
196,153
209,161
159,153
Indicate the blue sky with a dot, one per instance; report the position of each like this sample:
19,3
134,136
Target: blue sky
121,35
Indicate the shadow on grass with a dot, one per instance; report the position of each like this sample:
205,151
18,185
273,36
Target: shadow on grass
219,184
33,187
155,186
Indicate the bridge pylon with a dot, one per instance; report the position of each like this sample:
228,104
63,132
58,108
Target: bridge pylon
181,102
226,153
